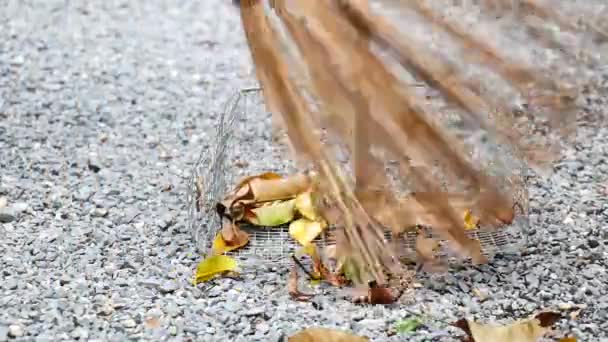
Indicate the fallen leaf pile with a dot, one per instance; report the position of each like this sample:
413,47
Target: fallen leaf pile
266,200
269,200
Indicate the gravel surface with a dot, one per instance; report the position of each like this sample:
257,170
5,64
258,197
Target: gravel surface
104,107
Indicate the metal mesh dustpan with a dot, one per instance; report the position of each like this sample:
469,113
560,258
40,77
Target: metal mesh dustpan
213,176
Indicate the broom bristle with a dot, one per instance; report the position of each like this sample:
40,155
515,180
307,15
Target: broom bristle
334,71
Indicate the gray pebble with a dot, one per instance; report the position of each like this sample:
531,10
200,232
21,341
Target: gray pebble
100,212
6,216
10,284
129,323
169,286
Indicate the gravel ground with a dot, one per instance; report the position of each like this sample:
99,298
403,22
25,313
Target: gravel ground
105,105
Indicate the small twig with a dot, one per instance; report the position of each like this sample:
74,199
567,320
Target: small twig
310,276
250,90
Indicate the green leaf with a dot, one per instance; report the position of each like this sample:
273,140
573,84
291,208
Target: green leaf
274,214
408,325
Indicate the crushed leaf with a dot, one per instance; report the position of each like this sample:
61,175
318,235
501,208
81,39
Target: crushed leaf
528,330
212,266
408,325
325,335
568,339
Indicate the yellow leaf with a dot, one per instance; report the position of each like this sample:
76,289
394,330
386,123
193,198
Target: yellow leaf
273,214
528,330
304,231
568,339
212,266
470,220
305,206
220,246
325,335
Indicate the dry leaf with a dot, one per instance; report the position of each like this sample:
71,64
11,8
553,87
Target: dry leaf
529,330
264,190
568,339
381,295
305,231
220,246
292,287
374,294
325,335
272,214
232,235
212,266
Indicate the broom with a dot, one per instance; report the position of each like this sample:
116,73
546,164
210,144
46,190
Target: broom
338,75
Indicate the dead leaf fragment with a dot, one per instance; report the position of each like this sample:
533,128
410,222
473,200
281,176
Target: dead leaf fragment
212,266
527,330
325,335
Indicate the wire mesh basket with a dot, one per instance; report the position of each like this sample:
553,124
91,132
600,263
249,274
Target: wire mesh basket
214,175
